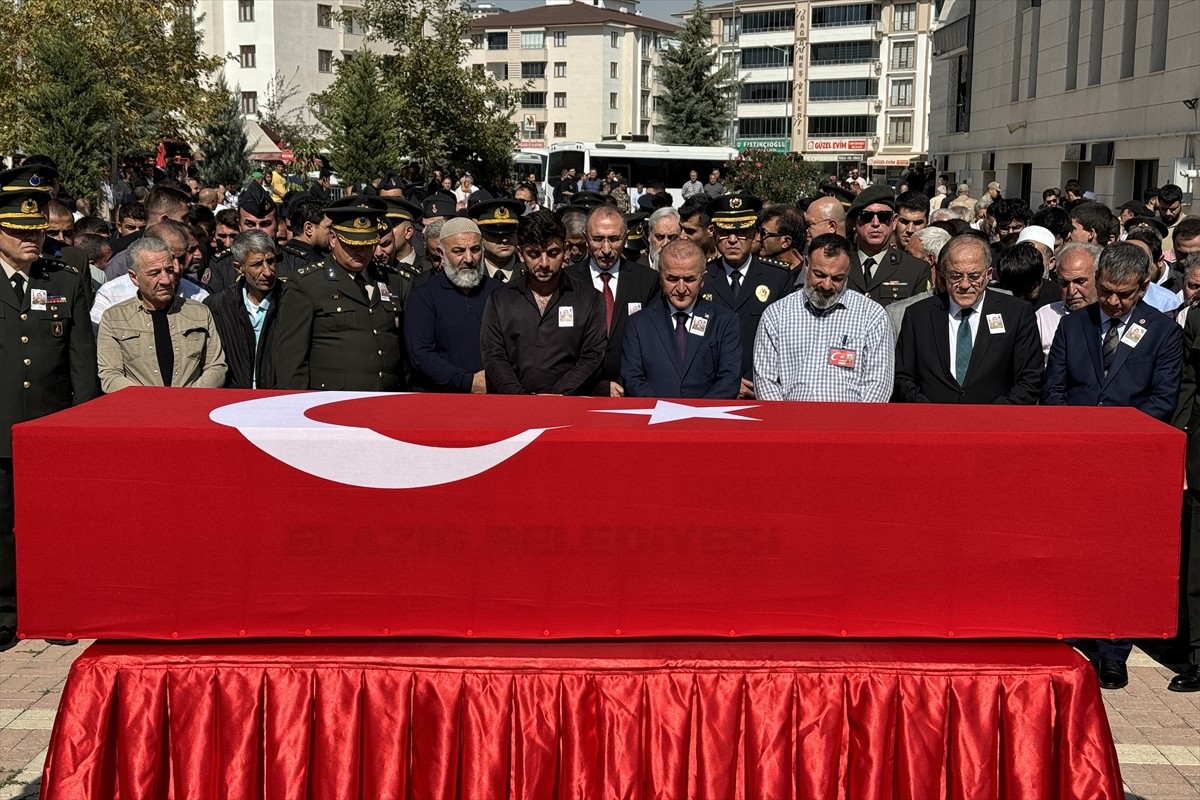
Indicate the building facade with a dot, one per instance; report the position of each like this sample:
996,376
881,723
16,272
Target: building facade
1032,93
585,72
843,83
300,41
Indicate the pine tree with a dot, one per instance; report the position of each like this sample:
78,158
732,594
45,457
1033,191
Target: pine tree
223,141
361,117
66,116
698,91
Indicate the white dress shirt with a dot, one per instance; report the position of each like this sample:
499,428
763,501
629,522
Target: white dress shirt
598,282
1048,318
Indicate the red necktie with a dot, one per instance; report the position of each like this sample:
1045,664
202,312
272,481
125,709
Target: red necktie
609,300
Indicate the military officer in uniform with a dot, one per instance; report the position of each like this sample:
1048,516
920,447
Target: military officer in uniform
395,252
739,280
339,324
310,237
47,353
256,212
881,272
498,220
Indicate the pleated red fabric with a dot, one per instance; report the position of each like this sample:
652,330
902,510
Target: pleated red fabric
634,721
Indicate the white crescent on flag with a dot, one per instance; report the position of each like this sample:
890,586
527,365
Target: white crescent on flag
356,456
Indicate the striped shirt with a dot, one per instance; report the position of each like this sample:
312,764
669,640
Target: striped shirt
844,354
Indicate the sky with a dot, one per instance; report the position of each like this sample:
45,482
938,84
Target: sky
658,9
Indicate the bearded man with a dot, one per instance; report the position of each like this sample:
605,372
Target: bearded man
826,343
443,315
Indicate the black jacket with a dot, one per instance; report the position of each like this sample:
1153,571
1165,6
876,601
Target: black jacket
249,367
637,287
763,285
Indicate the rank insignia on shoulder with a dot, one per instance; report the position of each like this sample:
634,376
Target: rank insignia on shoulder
706,296
332,275
306,270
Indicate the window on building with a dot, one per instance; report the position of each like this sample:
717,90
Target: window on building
497,41
645,127
533,99
771,92
560,38
843,89
533,69
764,127
533,40
861,125
612,69
249,102
560,130
352,25
645,107
843,15
730,27
245,10
1096,50
903,55
246,55
614,39
646,39
646,74
842,53
899,130
349,54
1158,37
560,69
901,93
612,100
765,21
324,16
1129,38
324,61
764,57
904,17
499,70
477,41
960,95
560,99
539,131
612,129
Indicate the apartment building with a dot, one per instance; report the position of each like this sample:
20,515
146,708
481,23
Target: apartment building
1032,93
299,39
843,83
585,72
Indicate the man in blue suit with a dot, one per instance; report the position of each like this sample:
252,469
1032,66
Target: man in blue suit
1116,352
682,345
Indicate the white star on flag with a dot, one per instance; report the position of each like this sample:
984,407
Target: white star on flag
666,411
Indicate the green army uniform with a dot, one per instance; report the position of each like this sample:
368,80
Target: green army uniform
329,334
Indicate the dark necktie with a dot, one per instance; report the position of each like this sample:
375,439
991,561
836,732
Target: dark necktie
1111,340
962,353
735,282
18,285
868,265
681,333
361,281
609,300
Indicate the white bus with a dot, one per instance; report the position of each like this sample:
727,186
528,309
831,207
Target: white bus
638,162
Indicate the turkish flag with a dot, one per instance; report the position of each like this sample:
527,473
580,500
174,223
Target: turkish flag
209,514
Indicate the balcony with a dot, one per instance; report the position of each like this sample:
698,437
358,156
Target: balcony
839,69
873,29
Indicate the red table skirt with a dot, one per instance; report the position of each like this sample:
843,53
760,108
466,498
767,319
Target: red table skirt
632,720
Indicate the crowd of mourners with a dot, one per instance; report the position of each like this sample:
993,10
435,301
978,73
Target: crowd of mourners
859,293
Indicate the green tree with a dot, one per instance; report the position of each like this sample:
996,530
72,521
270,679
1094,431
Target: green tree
447,113
65,114
360,115
774,177
148,53
223,142
698,90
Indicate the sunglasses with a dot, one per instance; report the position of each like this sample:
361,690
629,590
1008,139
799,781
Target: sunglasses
884,217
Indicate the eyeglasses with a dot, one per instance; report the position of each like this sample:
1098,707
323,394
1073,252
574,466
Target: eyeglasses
884,217
765,235
972,278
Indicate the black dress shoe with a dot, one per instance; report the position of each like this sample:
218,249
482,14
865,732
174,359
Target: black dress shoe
62,642
1186,681
8,638
1113,674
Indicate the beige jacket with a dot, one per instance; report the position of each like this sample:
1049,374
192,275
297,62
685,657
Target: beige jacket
125,348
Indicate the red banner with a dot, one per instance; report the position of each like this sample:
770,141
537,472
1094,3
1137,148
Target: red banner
172,513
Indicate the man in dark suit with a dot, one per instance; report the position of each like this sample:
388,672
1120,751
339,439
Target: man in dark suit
739,280
625,286
47,353
967,344
1187,417
1117,352
682,346
878,270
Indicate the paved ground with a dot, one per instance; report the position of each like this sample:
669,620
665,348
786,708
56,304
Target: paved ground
1157,732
